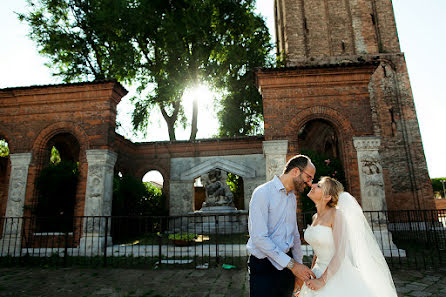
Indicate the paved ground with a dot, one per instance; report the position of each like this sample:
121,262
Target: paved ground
113,282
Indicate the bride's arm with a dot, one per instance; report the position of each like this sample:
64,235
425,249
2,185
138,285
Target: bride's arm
316,284
314,261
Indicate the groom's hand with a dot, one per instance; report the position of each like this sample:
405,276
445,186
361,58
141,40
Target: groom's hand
302,271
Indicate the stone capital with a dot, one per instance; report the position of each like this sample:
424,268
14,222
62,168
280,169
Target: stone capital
275,147
20,159
367,143
101,157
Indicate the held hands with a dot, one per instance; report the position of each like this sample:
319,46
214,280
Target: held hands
315,284
302,272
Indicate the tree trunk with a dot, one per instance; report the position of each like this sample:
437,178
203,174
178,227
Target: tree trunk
170,120
194,128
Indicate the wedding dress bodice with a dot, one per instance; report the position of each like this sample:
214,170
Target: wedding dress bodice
321,240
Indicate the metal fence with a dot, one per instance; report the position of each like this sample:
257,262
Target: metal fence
413,239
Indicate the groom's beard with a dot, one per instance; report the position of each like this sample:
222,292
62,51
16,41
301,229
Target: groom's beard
299,185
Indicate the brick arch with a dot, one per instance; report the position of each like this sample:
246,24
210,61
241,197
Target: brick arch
143,170
344,132
166,178
341,125
50,131
38,150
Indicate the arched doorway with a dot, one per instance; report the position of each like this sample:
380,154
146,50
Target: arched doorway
56,185
319,136
319,139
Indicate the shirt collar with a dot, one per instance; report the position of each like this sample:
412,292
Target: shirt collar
278,183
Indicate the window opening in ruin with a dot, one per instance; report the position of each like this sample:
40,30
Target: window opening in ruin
57,184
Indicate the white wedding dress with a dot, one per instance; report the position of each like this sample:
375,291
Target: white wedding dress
356,267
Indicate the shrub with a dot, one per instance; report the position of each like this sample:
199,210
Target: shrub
183,236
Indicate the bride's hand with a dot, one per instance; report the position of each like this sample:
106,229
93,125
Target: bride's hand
315,284
302,271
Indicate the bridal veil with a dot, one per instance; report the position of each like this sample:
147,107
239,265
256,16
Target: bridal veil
356,244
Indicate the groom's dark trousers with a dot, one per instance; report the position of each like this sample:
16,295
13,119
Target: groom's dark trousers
265,280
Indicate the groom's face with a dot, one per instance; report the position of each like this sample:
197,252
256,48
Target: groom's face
303,178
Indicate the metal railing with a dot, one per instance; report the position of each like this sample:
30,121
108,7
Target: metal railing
414,238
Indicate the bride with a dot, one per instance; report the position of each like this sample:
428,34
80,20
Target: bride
347,260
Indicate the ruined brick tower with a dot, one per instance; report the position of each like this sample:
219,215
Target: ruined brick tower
344,90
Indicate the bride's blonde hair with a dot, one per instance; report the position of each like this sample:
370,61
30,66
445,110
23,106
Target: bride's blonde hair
331,187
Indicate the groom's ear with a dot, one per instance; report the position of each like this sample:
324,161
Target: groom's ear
296,170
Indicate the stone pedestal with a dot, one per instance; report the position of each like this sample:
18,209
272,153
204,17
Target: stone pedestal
373,196
215,221
98,201
275,154
12,230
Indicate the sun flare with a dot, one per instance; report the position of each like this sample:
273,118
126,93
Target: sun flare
201,93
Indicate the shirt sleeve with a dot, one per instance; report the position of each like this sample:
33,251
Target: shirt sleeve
258,229
297,246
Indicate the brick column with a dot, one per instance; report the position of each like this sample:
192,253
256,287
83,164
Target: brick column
275,157
98,201
12,230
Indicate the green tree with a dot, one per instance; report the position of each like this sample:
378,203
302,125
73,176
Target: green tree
166,46
437,186
213,41
78,40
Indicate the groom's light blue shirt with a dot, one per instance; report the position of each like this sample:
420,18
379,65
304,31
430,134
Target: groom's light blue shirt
272,224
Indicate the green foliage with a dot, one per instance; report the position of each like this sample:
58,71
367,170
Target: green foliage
183,236
4,148
55,156
235,183
438,187
79,39
166,46
56,187
325,166
132,197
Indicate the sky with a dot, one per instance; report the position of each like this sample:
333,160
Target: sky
420,26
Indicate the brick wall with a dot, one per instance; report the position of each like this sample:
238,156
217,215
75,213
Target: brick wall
31,116
321,28
313,34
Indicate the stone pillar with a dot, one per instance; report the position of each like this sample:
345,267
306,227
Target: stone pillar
370,173
373,197
275,154
98,201
11,241
249,185
181,197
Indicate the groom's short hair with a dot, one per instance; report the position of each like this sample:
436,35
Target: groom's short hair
298,161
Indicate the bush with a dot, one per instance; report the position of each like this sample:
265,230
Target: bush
183,236
132,197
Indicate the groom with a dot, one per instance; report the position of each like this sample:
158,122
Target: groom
274,244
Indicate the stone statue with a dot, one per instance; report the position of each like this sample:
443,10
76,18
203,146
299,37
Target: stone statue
217,190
